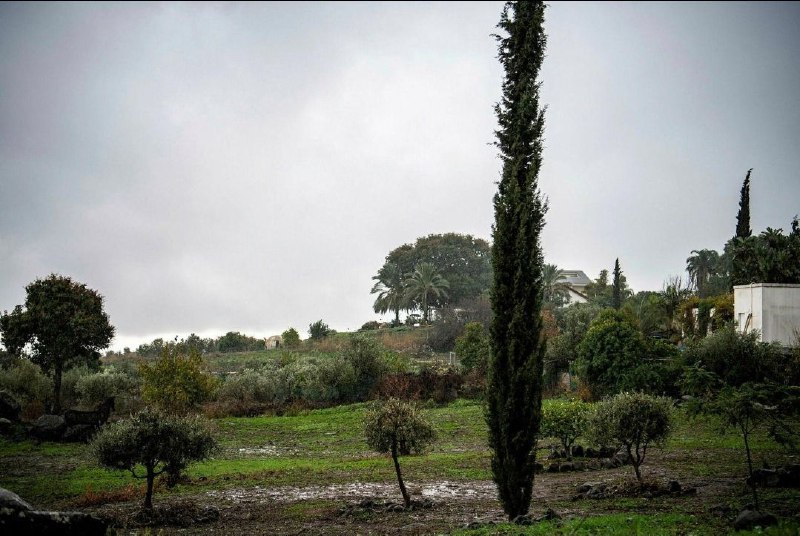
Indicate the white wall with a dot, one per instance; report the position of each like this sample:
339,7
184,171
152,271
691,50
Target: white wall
771,308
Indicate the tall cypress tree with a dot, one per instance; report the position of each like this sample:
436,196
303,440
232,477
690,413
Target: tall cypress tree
743,217
616,287
514,379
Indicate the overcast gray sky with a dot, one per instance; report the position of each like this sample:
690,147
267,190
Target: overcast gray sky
217,167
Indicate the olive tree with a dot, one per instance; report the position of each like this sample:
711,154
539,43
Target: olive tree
566,420
634,420
398,428
154,443
176,382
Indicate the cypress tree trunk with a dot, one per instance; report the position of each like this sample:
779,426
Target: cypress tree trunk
57,373
514,379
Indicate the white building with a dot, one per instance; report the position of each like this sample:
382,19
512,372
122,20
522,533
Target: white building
771,308
577,281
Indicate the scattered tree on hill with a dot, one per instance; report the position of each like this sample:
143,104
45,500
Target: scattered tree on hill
743,217
514,382
634,420
154,442
423,286
318,330
390,290
616,287
397,427
176,382
290,338
64,323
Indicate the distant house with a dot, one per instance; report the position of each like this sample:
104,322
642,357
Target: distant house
773,309
576,280
273,342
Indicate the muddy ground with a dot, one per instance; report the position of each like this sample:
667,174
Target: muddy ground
443,506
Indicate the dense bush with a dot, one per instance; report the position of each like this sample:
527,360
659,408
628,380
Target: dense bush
176,382
29,385
155,443
365,356
472,348
318,330
736,358
565,420
635,421
93,389
290,338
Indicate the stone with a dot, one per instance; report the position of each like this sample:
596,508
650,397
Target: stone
552,468
583,488
768,478
9,499
674,486
566,467
32,523
49,427
523,520
590,453
5,426
577,451
748,519
538,467
579,466
9,406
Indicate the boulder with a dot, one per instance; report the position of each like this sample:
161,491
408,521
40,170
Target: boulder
590,453
9,499
5,426
552,468
18,517
31,523
566,467
748,519
577,451
9,406
49,427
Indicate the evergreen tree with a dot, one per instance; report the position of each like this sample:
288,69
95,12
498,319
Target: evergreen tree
616,296
514,379
743,217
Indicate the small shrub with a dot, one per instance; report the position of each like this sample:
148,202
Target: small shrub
93,389
565,420
634,420
176,382
154,442
397,428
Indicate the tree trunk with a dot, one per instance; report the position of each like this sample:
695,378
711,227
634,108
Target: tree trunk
406,498
57,390
745,435
148,498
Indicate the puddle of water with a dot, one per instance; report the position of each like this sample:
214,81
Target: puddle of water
444,490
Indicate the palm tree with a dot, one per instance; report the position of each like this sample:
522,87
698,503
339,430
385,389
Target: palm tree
424,284
701,266
555,290
390,290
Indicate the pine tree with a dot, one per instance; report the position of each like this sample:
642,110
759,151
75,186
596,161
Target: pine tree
616,287
514,379
743,217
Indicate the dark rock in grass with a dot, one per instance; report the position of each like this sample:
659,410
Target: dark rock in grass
9,406
674,486
577,451
622,457
721,510
548,515
748,519
79,433
31,523
608,464
606,452
6,426
592,490
538,467
566,467
49,427
768,478
579,466
552,468
583,488
590,453
523,520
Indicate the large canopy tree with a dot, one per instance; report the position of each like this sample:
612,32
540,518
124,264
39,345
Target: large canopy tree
64,323
514,380
462,260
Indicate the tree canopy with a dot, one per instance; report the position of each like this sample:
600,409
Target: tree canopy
64,323
461,260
